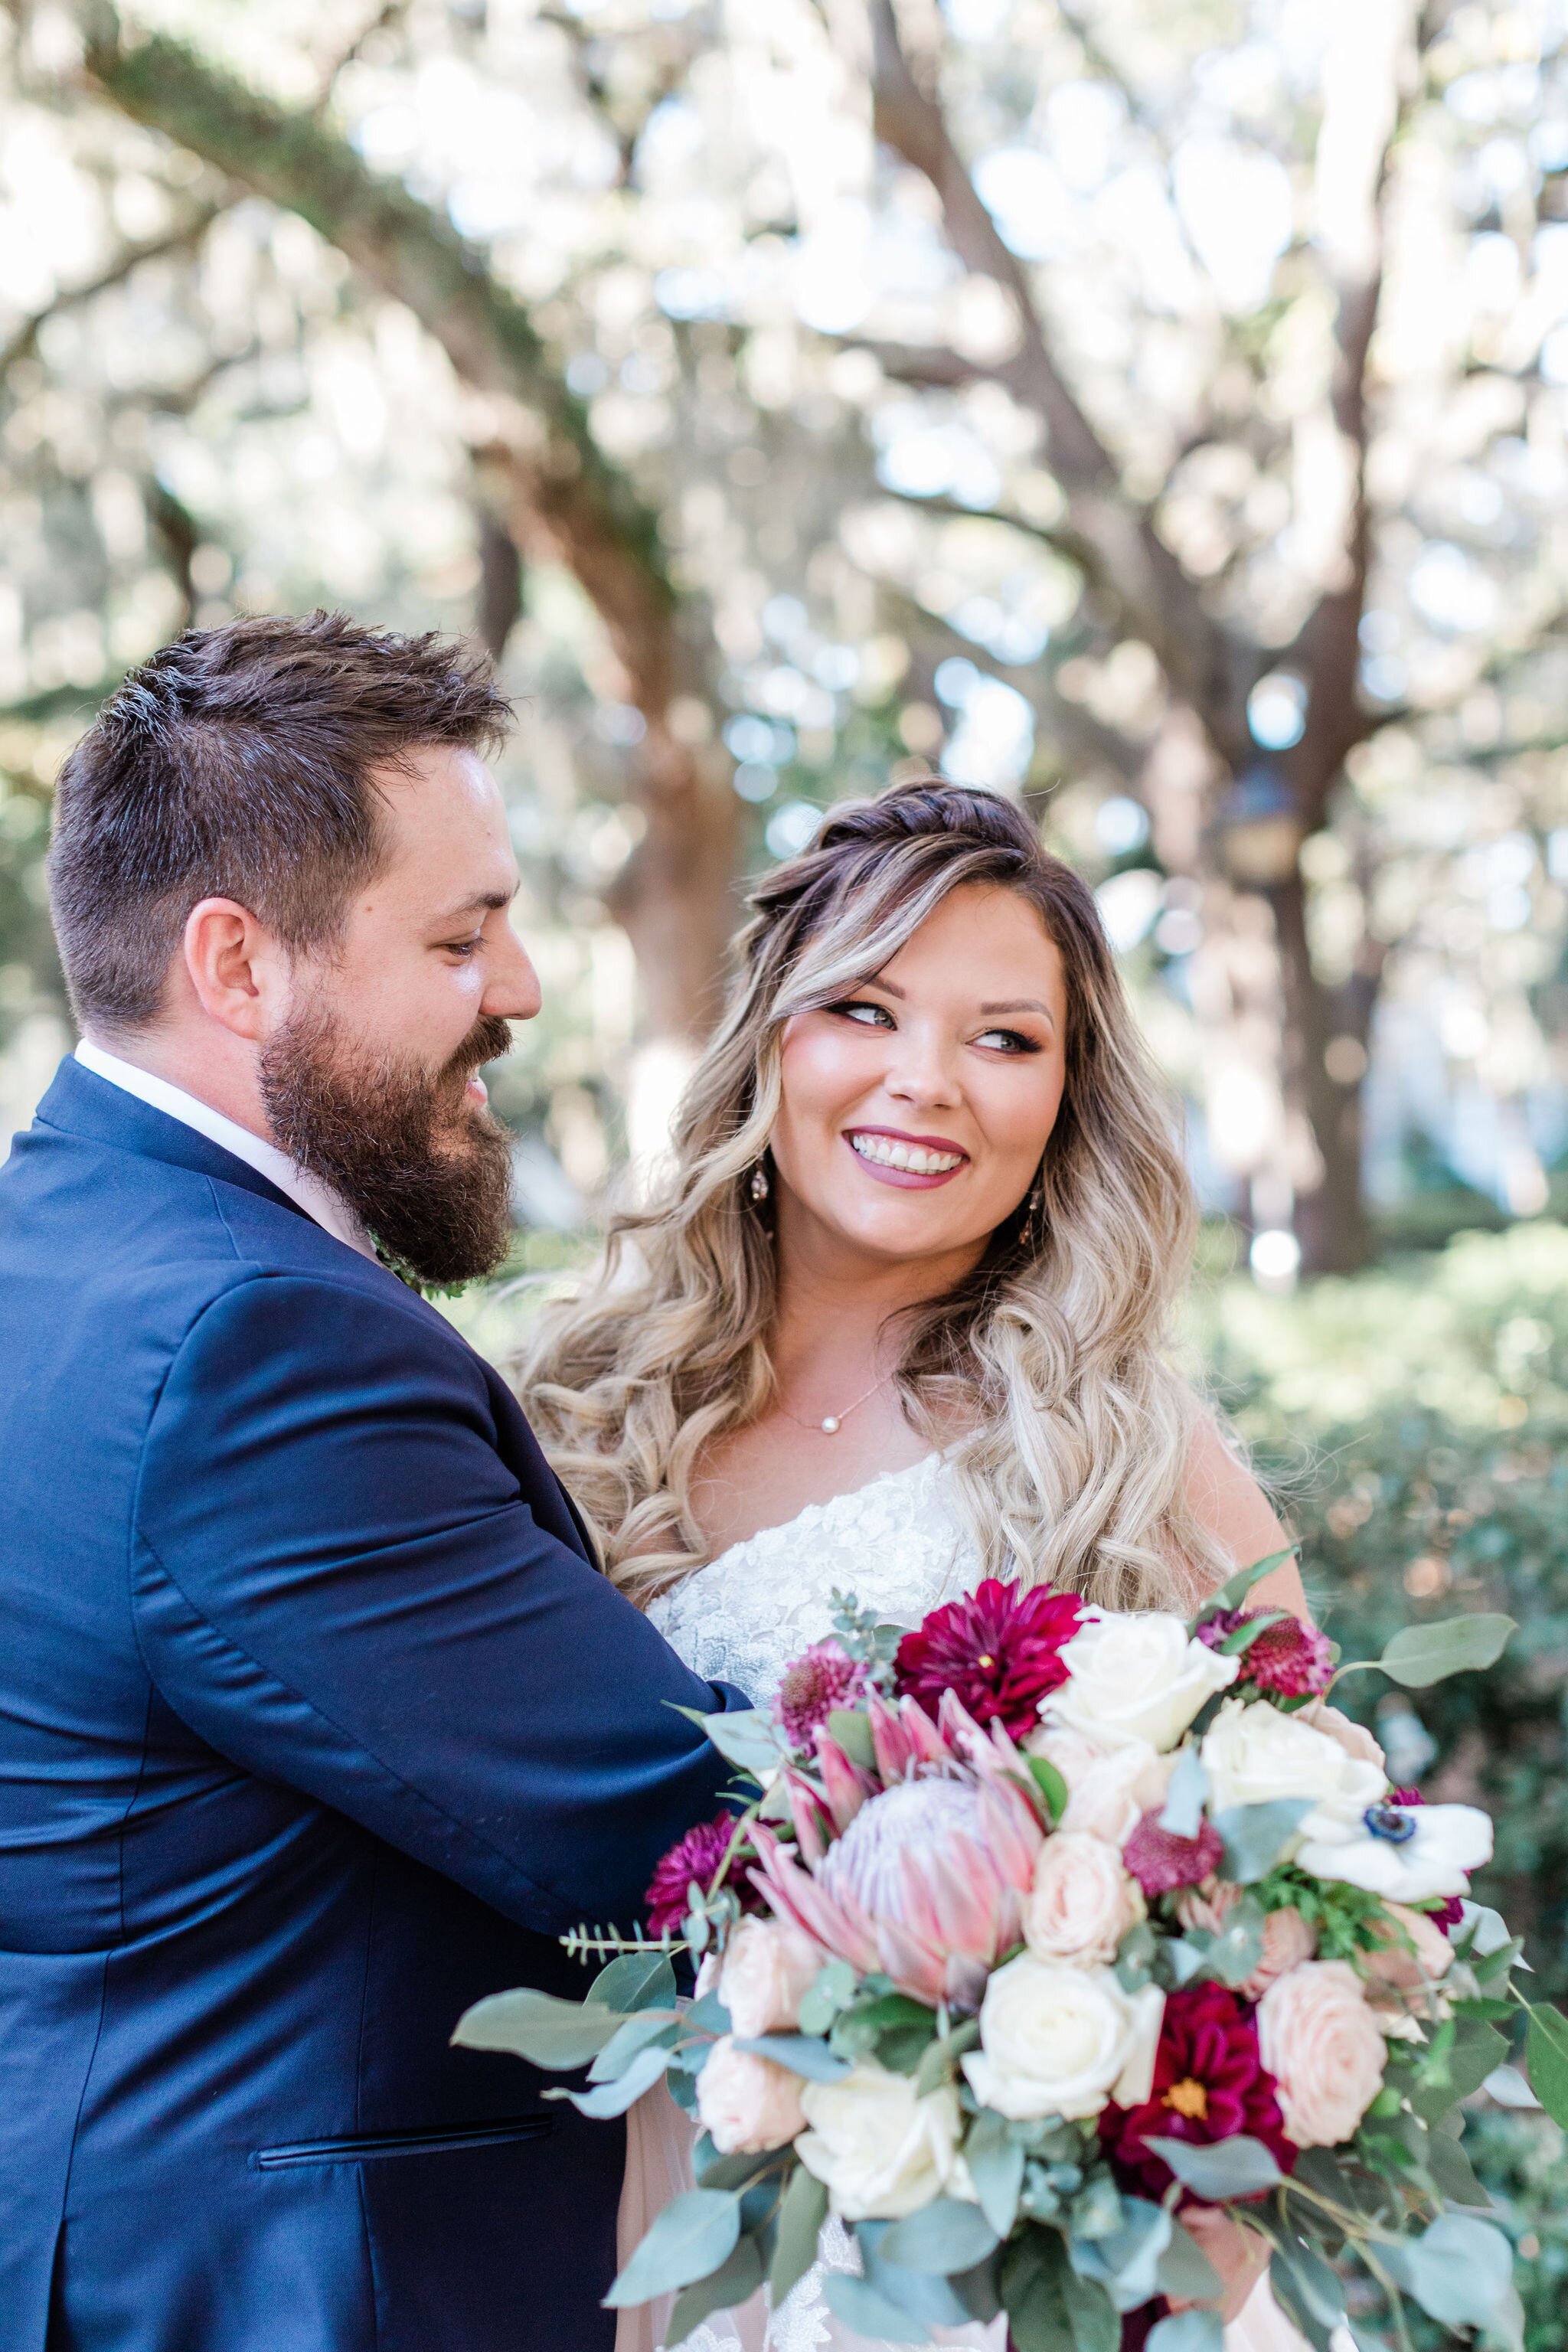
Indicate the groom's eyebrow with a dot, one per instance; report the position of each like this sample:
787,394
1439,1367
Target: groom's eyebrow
483,901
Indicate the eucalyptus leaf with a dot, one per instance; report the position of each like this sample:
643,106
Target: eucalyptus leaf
1126,2260
802,2053
1256,1835
613,2098
1546,2061
693,2235
858,2302
1228,2168
944,2236
1231,1594
1179,1960
1460,2271
1452,2173
801,2217
747,1739
635,1980
1185,1797
853,1733
1187,2331
926,2295
995,2161
1095,2321
1185,2271
831,1989
634,2035
723,2290
1308,2291
1419,1655
557,2035
1237,1949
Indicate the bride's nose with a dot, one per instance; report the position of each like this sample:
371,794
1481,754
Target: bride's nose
922,1067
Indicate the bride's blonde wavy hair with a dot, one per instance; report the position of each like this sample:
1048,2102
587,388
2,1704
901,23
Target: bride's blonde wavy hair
1051,1357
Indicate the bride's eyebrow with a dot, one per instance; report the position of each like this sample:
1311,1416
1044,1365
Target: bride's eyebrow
1019,1005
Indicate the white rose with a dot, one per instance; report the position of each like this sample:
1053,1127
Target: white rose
1109,1788
881,2151
1254,1755
768,1966
1135,1676
746,2103
1082,1902
1061,2041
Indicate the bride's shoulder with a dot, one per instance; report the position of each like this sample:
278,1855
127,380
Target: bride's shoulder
1230,1506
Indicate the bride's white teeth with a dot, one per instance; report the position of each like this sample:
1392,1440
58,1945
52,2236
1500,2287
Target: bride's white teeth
914,1158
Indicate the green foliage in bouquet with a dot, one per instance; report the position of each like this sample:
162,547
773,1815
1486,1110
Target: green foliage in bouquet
1275,2005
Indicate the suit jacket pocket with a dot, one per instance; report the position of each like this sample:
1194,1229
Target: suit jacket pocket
372,2148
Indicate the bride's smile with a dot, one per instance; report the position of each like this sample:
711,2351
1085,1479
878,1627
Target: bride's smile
915,1110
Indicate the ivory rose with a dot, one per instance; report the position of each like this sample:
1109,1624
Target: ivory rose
1109,1789
1083,1901
1322,2043
746,2103
879,2150
1254,1754
1062,2041
768,1967
1135,1676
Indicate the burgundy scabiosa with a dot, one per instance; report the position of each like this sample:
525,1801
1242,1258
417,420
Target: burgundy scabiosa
1210,2084
1289,1659
1161,1862
697,1857
820,1679
998,1651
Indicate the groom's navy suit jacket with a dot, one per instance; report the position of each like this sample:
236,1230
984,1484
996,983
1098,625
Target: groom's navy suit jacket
316,1723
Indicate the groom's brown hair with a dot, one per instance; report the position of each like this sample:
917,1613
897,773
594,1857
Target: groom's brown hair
239,762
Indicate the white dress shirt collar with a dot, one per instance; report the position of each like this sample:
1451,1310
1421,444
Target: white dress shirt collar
318,1200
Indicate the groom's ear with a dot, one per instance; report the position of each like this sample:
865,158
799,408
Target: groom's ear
236,968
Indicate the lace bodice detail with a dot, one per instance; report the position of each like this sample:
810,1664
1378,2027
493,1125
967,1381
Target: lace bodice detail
899,1544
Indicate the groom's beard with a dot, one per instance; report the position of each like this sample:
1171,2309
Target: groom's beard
428,1171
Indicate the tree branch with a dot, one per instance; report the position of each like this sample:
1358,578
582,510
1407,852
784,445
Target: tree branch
114,273
1060,538
1162,604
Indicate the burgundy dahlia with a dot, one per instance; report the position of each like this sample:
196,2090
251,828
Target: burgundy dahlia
1162,1862
697,1857
1137,2324
998,1651
1289,1659
1209,2085
822,1678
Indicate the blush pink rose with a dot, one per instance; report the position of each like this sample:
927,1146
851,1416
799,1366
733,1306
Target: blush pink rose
1353,1737
747,2103
1320,2041
769,1965
1082,1902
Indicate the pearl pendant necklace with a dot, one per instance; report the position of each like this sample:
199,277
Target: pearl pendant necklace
832,1422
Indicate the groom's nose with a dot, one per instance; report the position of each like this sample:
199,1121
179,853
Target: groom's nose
512,985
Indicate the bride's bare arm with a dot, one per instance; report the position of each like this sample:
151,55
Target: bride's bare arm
1226,1499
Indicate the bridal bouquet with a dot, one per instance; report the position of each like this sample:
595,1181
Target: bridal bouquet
1040,1938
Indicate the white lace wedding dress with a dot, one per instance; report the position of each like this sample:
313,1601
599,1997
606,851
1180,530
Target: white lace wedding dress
899,1546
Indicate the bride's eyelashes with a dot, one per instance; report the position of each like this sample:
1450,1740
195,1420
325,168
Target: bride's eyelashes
868,1015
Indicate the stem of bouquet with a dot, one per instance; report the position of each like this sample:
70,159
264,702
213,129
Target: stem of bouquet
1396,2300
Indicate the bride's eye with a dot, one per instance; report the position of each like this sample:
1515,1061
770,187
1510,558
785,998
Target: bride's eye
868,1015
1008,1041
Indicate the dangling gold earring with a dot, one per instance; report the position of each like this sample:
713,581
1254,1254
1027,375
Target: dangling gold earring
1033,1231
760,1187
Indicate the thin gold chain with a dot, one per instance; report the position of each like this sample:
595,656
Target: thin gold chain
831,1423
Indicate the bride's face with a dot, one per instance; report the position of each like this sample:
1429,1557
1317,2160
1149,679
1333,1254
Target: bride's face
915,1112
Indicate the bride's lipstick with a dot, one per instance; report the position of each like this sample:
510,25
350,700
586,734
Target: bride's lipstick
914,1163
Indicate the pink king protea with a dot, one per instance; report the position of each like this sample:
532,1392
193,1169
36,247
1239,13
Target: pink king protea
928,1879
